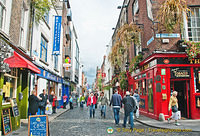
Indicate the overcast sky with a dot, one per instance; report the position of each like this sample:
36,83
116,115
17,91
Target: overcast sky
94,20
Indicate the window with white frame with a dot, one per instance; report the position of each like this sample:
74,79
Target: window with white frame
46,17
135,7
55,61
43,49
2,12
149,9
21,38
194,24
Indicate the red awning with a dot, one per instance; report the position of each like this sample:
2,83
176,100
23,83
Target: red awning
17,61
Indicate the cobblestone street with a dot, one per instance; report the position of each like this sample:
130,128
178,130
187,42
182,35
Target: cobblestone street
76,122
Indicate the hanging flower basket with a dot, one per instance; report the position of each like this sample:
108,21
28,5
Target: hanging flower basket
193,49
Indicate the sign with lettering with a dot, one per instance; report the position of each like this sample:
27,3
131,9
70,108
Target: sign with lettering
38,125
15,107
57,34
7,127
194,61
166,35
180,72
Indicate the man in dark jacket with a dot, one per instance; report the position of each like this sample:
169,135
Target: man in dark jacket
129,108
33,103
116,103
43,102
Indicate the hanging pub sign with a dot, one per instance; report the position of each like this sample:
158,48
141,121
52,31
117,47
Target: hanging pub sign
57,34
180,72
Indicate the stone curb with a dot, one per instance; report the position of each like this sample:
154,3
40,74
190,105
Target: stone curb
155,126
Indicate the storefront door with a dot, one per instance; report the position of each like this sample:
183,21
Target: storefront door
182,87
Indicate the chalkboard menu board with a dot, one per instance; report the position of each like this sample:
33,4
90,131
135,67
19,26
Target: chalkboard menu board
38,125
15,107
7,127
15,111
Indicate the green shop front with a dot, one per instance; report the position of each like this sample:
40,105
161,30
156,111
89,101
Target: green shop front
14,87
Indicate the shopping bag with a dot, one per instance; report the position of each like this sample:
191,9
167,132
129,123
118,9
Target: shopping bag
179,114
48,109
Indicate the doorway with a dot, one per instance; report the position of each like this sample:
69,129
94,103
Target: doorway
182,87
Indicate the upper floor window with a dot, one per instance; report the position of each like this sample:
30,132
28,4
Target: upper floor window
149,9
194,24
43,49
55,61
135,7
2,12
46,17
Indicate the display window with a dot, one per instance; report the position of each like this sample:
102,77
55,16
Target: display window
197,80
9,86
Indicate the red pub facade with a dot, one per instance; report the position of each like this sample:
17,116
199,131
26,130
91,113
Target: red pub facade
162,73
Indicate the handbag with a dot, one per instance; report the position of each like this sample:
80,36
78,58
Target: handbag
174,108
41,104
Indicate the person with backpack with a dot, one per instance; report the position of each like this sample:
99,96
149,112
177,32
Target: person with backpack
129,108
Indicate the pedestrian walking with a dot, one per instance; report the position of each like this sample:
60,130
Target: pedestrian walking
96,95
116,103
86,98
91,102
82,101
54,103
104,102
129,108
71,102
64,101
173,104
43,102
33,103
137,97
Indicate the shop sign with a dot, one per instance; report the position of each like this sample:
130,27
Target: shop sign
48,75
180,72
65,82
195,61
166,35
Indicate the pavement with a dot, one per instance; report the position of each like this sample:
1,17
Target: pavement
77,122
23,130
185,124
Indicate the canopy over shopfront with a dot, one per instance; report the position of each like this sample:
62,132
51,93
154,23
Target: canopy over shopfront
17,61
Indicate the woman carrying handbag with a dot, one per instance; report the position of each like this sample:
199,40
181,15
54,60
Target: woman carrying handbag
173,104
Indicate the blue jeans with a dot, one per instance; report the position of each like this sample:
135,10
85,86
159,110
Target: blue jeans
116,115
92,110
103,110
131,119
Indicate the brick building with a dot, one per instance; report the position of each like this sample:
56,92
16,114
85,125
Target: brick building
165,66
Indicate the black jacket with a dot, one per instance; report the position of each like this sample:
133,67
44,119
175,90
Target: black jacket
33,104
129,104
50,98
44,98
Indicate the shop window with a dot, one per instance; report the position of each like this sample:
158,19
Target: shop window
9,88
150,95
43,51
197,80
